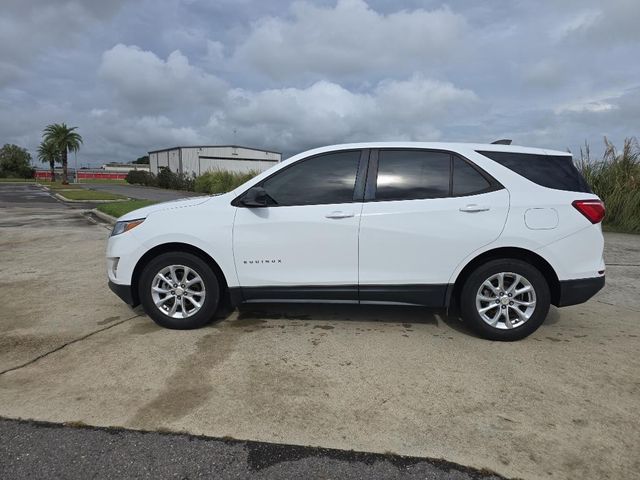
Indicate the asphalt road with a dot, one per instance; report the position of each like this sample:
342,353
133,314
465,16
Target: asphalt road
561,404
139,192
25,195
43,451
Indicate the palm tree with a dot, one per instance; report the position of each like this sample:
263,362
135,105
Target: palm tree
65,139
48,153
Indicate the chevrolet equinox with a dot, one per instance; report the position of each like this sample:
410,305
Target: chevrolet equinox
501,232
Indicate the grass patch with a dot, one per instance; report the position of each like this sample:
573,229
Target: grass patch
82,194
120,208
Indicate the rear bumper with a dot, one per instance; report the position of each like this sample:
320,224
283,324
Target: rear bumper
573,292
124,292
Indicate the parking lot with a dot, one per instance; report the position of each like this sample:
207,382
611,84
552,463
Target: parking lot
563,403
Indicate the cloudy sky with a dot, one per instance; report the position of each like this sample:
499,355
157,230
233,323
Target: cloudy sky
137,75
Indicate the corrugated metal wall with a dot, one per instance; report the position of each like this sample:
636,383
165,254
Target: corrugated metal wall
153,163
174,160
204,159
198,160
190,162
163,160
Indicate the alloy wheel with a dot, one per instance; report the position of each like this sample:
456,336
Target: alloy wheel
178,291
506,300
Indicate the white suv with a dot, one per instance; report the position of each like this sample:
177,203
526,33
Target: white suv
499,231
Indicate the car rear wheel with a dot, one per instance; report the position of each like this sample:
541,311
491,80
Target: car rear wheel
505,299
179,290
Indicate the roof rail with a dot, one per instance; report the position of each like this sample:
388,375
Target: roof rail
504,141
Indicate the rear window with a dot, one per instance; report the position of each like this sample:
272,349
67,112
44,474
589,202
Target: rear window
551,171
467,180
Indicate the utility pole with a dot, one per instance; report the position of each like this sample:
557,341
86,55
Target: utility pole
234,150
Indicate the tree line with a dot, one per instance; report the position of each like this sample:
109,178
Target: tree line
57,141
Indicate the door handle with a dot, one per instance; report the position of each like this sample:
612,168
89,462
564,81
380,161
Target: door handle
338,214
472,208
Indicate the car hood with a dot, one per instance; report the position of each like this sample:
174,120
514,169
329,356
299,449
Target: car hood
158,207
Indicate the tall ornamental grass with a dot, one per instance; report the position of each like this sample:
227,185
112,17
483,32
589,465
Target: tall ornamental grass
616,180
222,181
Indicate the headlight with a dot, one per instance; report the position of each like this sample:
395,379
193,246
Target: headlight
121,227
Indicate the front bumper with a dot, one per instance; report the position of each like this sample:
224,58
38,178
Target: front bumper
125,292
573,292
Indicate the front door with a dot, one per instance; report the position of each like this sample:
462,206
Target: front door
304,244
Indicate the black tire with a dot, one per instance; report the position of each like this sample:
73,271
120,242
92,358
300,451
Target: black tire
211,285
472,286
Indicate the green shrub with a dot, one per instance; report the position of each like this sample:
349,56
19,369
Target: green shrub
140,177
616,180
222,181
165,177
14,162
175,181
216,181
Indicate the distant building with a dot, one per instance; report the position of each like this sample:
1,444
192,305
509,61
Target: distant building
200,159
124,167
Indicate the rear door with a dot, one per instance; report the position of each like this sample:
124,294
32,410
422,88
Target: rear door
304,244
425,211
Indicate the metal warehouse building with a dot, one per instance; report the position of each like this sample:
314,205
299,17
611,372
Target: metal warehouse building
200,159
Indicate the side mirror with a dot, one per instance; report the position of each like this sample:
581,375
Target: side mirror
255,197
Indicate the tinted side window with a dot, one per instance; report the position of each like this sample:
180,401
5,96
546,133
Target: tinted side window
411,174
466,179
323,179
552,171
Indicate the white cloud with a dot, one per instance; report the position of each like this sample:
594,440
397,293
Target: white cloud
146,84
98,112
350,38
578,23
614,21
297,118
28,29
548,74
605,101
146,132
587,107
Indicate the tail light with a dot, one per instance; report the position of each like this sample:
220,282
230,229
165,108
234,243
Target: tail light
592,209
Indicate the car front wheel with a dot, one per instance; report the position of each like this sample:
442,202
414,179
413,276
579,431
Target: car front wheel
505,299
179,290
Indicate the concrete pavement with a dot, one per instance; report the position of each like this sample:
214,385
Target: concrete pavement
560,404
47,251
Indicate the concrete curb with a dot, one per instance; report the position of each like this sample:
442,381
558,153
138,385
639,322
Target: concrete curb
68,200
104,216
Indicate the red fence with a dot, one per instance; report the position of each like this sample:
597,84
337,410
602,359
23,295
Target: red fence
46,175
103,175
